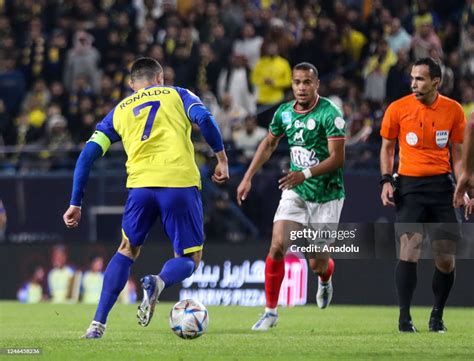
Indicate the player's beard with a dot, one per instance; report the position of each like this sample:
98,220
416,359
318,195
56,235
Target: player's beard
306,103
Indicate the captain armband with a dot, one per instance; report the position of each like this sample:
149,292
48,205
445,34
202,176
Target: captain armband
101,139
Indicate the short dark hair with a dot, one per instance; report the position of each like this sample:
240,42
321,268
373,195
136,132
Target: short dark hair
307,66
433,66
145,68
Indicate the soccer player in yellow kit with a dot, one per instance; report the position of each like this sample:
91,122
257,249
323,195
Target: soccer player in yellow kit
154,125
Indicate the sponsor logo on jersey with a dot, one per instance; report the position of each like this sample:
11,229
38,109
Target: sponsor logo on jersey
442,137
411,138
302,157
298,124
286,118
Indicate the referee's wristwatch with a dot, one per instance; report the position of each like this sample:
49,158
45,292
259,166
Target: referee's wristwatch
386,178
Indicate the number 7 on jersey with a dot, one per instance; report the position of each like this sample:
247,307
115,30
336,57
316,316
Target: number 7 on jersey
151,116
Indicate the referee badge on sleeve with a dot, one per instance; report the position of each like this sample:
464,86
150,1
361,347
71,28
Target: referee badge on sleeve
442,137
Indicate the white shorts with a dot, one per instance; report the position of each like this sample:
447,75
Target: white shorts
294,208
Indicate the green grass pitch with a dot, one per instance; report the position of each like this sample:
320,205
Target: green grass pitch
303,333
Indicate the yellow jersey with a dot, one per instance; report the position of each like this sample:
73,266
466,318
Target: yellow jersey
155,129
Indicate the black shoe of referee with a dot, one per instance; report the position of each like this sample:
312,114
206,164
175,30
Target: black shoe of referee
436,324
406,326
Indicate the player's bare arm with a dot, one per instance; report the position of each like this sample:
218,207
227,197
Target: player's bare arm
465,181
330,164
456,154
387,154
264,151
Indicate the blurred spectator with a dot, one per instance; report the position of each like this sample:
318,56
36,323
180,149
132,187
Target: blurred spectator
55,56
450,36
398,79
307,50
376,70
112,55
295,23
5,125
3,221
143,42
59,96
220,220
85,11
88,123
232,17
169,75
279,34
398,38
82,61
26,131
185,59
423,13
58,142
447,75
109,91
156,51
38,97
229,116
361,125
12,85
375,35
147,8
352,41
374,16
208,70
100,31
61,275
467,100
221,45
236,80
92,279
5,28
34,51
271,76
425,39
467,49
249,45
32,291
208,21
247,139
126,30
129,293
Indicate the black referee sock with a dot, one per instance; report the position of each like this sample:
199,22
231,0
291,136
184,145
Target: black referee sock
405,280
442,284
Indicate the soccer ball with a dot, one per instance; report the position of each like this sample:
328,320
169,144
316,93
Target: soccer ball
189,319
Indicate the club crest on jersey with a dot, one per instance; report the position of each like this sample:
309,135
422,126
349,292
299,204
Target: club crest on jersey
311,124
442,137
286,118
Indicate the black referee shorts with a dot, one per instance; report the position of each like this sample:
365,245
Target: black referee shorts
425,205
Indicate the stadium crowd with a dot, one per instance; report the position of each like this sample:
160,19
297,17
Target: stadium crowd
64,64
